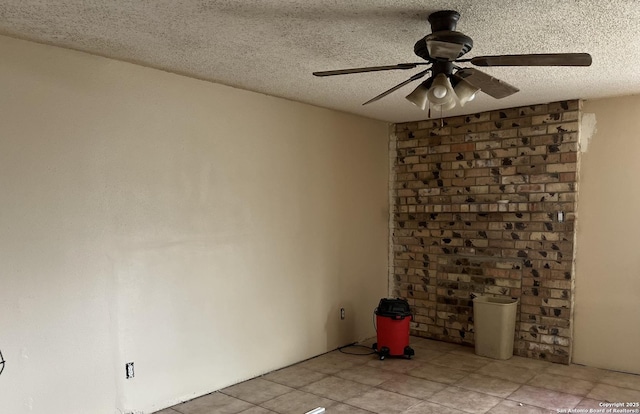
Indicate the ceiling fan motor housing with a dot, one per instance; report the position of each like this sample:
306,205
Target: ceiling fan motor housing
421,48
443,28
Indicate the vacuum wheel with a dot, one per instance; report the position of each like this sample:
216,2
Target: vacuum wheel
409,352
384,352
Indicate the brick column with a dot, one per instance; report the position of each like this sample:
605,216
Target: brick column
475,211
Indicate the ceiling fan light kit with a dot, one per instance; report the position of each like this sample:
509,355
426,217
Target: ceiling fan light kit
449,84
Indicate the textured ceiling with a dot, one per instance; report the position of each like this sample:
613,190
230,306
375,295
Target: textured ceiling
272,46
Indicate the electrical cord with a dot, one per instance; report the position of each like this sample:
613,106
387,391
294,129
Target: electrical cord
355,345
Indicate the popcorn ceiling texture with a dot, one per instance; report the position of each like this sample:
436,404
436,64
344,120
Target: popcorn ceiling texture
273,46
453,239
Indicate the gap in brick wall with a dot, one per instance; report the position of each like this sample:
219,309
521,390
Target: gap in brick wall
474,212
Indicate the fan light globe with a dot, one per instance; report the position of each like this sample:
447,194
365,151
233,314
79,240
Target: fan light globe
439,91
465,91
419,96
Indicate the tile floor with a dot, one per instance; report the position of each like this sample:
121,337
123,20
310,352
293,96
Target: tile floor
442,378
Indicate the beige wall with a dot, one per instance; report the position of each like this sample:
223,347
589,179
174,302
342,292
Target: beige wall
607,298
206,233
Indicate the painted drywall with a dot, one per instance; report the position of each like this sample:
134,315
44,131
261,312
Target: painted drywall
607,292
205,233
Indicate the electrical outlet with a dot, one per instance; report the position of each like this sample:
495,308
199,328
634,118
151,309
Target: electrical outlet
342,315
129,370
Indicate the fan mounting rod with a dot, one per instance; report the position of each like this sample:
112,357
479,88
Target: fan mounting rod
440,66
444,20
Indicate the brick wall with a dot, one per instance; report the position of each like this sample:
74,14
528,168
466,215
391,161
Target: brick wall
475,201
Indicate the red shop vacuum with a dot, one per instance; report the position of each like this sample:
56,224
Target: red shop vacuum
392,325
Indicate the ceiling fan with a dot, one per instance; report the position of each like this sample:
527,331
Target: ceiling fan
450,84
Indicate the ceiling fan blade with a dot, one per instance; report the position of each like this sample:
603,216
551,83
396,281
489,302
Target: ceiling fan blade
402,66
488,84
548,59
398,86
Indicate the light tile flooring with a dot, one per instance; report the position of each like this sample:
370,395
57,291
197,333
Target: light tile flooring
441,378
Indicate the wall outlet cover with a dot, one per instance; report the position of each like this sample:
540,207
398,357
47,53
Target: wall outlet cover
129,370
